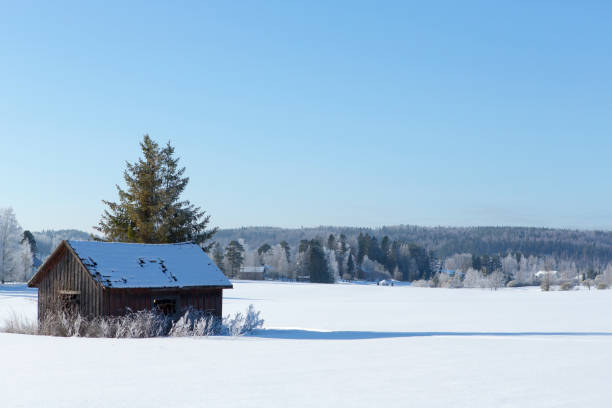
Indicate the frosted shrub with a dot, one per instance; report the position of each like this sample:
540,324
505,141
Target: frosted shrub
233,327
141,324
243,324
421,283
62,324
206,326
195,323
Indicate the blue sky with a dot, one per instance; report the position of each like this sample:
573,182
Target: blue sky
288,114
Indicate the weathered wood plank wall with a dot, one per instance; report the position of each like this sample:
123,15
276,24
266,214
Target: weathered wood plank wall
69,275
206,299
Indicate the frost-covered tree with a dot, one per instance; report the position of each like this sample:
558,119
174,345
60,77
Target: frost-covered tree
397,274
10,244
606,276
150,209
332,264
445,280
474,279
276,259
458,262
496,280
29,238
510,266
374,270
567,270
251,256
26,259
528,266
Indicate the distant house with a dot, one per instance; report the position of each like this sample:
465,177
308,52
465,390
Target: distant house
541,274
111,278
387,282
452,272
253,272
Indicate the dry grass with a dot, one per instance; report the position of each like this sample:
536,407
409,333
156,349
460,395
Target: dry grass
140,324
20,325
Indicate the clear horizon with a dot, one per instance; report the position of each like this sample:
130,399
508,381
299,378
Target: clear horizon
349,114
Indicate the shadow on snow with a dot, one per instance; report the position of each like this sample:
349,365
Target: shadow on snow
300,334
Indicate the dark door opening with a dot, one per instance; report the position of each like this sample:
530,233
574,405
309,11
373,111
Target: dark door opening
166,306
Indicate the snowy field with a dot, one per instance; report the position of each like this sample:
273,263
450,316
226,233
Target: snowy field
335,346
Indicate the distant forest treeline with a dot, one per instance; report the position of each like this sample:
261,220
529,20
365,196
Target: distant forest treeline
585,248
48,240
406,253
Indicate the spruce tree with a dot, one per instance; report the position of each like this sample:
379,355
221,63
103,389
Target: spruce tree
343,245
233,255
287,249
362,247
303,247
316,263
150,209
350,266
331,242
385,248
263,249
218,256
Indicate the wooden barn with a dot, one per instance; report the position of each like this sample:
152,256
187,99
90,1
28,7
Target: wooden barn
253,272
112,278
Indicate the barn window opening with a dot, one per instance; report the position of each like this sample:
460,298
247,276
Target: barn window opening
70,300
165,306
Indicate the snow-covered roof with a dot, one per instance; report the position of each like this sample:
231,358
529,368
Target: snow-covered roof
124,265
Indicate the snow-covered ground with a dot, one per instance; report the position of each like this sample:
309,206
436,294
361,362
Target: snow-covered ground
335,345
